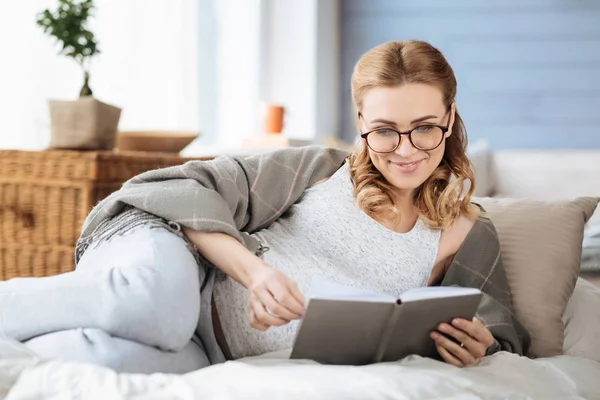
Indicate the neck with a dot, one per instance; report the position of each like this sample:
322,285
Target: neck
403,200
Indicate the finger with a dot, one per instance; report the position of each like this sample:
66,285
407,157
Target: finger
274,307
449,358
475,329
465,357
485,331
297,295
283,294
475,347
255,323
264,317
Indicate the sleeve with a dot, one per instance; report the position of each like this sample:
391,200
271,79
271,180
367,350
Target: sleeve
479,264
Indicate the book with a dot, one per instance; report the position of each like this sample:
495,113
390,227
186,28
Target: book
348,326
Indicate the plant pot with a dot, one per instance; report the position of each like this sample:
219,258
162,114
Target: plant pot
86,124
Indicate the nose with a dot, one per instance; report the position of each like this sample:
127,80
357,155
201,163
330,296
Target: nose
406,149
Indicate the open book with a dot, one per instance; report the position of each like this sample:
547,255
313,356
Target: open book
345,325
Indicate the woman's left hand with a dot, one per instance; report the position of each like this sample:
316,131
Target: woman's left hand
473,338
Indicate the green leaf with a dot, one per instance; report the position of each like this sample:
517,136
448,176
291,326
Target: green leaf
68,25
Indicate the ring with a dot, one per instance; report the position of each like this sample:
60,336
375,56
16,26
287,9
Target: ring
462,345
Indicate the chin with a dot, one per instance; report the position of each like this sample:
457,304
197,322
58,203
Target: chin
406,181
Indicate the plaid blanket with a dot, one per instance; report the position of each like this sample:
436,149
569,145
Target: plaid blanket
241,195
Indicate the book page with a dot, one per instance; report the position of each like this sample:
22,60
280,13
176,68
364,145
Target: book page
325,289
434,292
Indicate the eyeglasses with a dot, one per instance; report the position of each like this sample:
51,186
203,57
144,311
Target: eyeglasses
387,140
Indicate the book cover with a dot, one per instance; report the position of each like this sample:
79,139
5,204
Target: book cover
349,326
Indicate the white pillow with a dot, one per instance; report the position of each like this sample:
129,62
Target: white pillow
582,322
480,154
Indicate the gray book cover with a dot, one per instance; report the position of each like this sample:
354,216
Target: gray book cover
346,326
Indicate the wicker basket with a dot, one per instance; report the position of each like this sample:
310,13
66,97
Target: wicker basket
45,197
17,260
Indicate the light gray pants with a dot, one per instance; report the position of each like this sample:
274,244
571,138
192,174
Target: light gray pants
132,305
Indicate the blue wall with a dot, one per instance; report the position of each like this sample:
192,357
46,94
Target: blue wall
528,71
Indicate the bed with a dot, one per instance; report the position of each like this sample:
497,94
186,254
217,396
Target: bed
573,375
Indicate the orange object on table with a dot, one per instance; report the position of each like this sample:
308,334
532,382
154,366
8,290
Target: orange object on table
274,118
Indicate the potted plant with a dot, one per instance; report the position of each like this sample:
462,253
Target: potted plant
85,123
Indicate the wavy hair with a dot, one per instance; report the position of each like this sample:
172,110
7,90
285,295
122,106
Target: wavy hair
443,197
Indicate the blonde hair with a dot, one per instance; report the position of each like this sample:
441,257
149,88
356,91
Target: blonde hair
439,200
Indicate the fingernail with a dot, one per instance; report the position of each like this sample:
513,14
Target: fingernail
443,327
435,335
457,322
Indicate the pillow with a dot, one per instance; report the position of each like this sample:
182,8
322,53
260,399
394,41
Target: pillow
582,322
540,244
590,257
480,155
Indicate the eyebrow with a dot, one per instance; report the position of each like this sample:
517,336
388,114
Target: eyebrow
387,122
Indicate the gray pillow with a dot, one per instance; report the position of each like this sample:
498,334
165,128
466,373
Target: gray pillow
590,253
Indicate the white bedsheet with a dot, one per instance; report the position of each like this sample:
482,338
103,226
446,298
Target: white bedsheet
502,376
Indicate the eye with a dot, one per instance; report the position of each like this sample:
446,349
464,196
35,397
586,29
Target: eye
385,132
424,128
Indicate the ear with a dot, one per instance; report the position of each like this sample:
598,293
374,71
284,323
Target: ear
451,118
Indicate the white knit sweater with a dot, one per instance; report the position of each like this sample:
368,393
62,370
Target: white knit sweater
326,235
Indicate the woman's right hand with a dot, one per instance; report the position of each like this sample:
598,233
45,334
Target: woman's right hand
275,299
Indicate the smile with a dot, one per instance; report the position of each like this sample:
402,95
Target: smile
407,167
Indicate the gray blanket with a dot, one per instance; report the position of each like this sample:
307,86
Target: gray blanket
241,195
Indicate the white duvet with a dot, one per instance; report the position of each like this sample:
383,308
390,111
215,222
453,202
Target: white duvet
502,376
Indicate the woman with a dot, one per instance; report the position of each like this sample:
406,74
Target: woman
394,216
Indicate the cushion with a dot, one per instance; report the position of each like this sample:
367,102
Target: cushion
540,244
480,154
590,258
582,322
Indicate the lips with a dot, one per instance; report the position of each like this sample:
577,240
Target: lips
407,167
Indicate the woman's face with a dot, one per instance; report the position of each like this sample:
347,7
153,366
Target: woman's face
404,108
